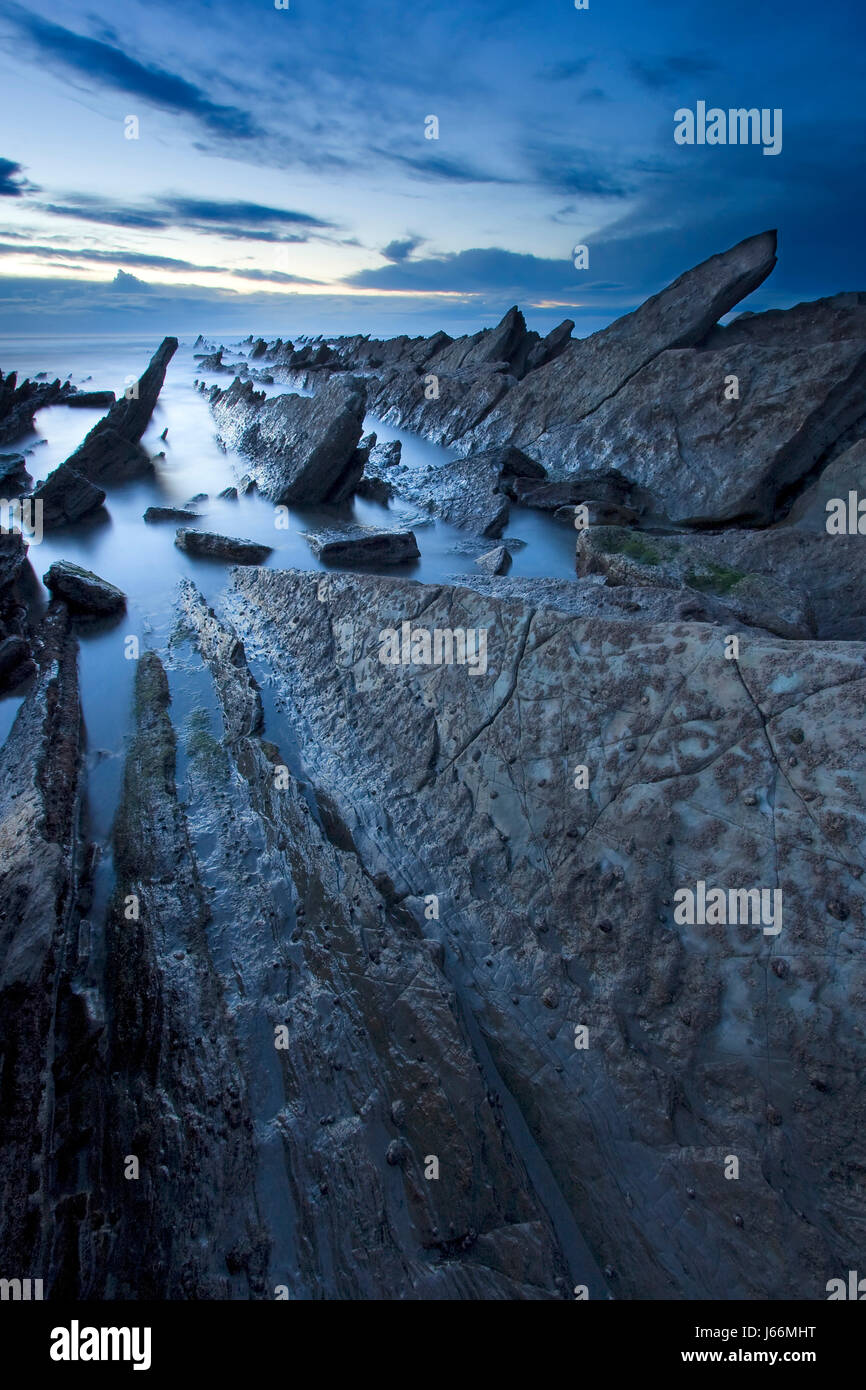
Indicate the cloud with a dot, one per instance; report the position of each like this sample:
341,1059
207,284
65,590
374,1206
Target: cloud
12,181
122,281
239,221
135,258
400,250
437,167
568,170
666,72
277,277
477,271
100,62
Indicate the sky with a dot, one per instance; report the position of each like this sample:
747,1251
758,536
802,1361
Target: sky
282,180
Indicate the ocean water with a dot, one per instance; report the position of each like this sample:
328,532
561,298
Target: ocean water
143,559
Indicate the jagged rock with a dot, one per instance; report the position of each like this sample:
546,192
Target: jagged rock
20,402
364,546
228,494
259,348
691,777
473,493
12,466
196,500
300,446
706,565
170,514
540,412
111,451
209,545
41,857
387,455
495,561
83,590
13,553
67,496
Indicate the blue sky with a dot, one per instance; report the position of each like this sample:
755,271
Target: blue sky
282,182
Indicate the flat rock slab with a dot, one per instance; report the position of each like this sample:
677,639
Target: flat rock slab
82,589
170,514
209,545
364,547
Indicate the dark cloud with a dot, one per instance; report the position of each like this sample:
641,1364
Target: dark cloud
439,168
240,221
400,250
135,258
100,62
12,181
570,170
277,277
123,281
479,271
659,73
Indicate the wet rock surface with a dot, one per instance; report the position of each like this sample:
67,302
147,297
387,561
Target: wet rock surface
364,546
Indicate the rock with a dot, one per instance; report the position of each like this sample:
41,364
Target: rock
197,500
16,662
672,734
90,400
13,553
12,466
386,455
111,451
702,564
472,493
228,494
495,561
83,590
246,485
67,496
364,546
41,867
208,545
375,490
170,514
537,413
300,446
844,474
19,403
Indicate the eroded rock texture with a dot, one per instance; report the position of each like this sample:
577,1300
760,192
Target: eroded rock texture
556,903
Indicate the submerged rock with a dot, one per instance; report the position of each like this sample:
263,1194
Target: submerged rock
82,589
209,545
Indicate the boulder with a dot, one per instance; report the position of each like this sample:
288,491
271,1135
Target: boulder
82,590
208,545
